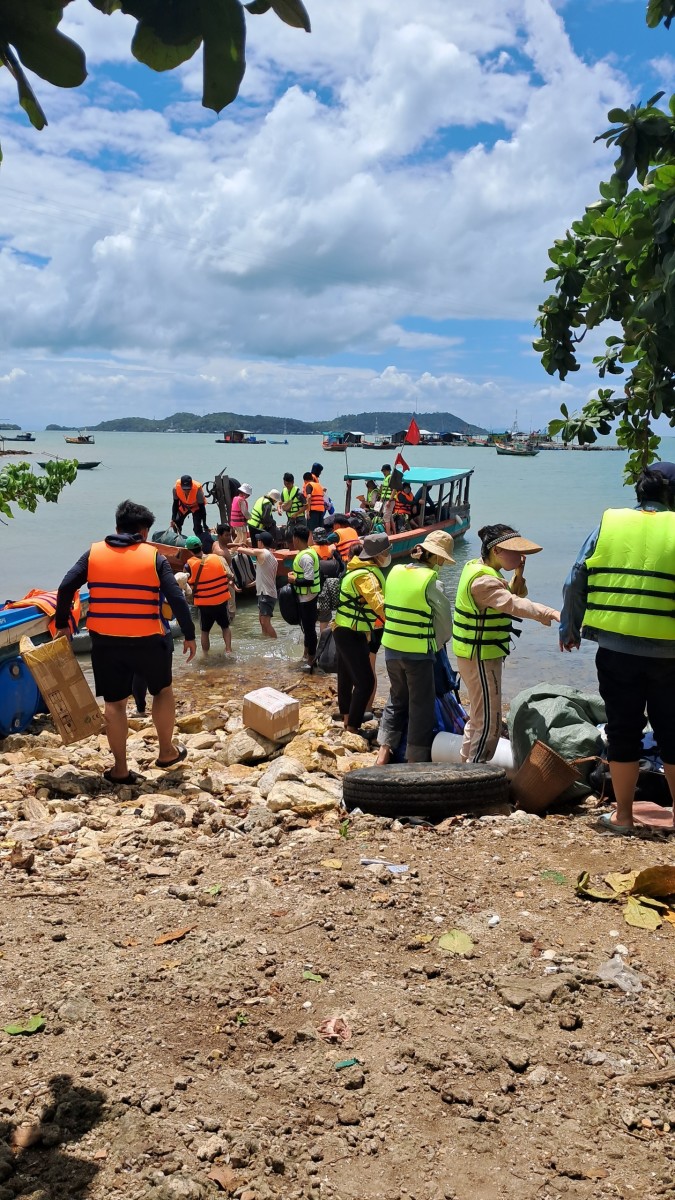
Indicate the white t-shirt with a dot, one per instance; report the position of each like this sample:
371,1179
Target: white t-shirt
307,569
265,573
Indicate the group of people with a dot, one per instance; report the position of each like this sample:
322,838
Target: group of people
620,594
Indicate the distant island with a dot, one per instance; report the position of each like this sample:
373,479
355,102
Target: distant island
8,425
364,422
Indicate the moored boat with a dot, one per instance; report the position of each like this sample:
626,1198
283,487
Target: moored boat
517,449
240,437
338,441
81,466
83,439
20,437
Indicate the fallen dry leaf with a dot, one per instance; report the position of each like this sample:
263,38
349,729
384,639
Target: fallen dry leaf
225,1178
655,881
174,935
333,864
21,860
669,917
381,897
125,943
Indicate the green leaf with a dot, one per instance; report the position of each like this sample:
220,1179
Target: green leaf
455,941
27,98
293,12
224,32
258,7
149,48
214,890
312,977
640,916
553,877
53,57
32,1025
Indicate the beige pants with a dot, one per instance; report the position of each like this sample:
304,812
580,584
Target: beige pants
482,679
240,533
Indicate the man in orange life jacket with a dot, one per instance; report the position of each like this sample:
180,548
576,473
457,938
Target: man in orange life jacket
125,577
347,537
210,585
188,499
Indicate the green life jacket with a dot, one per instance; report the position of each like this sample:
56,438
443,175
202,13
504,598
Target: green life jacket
297,502
301,585
386,488
476,633
408,623
258,516
353,612
631,574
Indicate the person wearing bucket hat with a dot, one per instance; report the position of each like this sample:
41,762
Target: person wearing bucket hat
239,514
262,515
485,608
360,606
620,594
417,622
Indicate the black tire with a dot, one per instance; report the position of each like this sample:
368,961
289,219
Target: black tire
435,790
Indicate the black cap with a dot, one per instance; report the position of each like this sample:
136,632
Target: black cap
264,538
667,469
316,467
186,480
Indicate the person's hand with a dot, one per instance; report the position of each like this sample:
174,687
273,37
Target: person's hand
190,648
59,633
569,646
291,576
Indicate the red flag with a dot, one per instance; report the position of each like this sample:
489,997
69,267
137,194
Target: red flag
412,437
400,462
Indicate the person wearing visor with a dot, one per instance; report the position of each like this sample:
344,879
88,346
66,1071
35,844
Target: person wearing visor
620,594
485,607
360,606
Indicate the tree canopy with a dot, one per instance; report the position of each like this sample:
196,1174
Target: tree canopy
20,486
168,33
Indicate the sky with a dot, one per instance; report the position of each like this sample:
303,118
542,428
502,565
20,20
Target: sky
365,228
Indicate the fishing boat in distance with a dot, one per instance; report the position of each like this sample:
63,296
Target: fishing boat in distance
83,439
381,441
81,466
20,437
240,437
337,441
517,449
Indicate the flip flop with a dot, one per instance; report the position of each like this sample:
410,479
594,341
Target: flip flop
182,754
606,825
132,777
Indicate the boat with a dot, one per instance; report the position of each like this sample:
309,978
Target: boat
240,437
337,441
20,698
83,439
271,442
81,466
517,449
21,453
379,442
20,437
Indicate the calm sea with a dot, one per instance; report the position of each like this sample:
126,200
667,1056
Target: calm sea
555,499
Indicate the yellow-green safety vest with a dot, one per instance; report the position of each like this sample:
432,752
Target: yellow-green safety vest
408,624
386,488
353,612
256,518
477,633
631,574
301,585
297,502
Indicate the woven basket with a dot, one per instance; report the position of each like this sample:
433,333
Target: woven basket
542,778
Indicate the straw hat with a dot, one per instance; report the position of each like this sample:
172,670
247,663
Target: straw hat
513,541
440,544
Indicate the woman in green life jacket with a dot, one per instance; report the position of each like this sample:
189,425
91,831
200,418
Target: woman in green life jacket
485,607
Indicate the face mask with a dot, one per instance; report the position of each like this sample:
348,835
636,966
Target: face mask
386,561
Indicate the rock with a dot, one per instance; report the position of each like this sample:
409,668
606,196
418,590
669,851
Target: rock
306,1034
313,753
593,1058
67,782
203,741
76,1008
246,746
258,818
284,767
301,799
518,992
183,1187
64,825
34,810
349,1115
538,1076
517,1059
209,719
209,1149
164,808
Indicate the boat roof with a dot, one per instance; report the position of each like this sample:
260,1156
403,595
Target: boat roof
418,475
342,433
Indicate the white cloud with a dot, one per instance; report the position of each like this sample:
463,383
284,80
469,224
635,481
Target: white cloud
310,221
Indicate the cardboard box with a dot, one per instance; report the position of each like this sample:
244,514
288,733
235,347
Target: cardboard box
64,688
271,713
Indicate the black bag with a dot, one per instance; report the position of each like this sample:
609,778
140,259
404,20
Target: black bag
326,657
289,605
651,785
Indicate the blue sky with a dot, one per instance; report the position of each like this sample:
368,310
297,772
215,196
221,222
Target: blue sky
365,228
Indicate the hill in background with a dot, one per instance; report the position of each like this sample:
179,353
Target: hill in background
366,422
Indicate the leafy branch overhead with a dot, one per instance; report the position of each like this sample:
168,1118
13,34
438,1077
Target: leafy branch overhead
18,484
168,33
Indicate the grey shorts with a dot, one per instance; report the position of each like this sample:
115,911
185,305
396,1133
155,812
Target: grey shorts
266,605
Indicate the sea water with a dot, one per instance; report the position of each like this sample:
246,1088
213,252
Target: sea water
555,499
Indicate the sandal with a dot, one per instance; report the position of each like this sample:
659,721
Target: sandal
131,778
173,762
606,825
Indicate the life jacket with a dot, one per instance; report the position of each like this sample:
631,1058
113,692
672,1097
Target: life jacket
208,580
293,497
353,612
303,586
386,488
258,518
187,501
631,575
346,538
123,590
403,504
237,519
478,633
46,602
315,494
408,623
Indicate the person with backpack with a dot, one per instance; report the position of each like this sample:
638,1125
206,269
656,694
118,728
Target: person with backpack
305,578
360,605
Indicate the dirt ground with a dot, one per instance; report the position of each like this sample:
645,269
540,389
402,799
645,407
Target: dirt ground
196,1068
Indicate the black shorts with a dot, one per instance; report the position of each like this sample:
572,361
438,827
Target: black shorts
115,661
635,688
210,614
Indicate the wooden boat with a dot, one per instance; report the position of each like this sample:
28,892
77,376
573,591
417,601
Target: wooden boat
21,453
517,449
378,442
443,494
83,439
333,441
20,437
240,437
271,442
81,466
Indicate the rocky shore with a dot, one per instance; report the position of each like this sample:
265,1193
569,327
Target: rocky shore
235,1004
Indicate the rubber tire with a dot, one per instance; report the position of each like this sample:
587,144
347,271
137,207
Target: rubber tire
435,790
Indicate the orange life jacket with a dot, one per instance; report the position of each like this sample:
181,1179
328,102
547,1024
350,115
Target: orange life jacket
187,501
346,538
46,602
404,503
324,549
123,590
315,494
208,580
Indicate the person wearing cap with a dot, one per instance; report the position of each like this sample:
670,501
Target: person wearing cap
266,565
485,607
188,499
417,622
360,606
620,594
210,584
262,514
239,514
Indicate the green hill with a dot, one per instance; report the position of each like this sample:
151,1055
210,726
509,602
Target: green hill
367,422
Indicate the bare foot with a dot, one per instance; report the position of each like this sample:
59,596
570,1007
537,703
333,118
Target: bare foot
383,757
